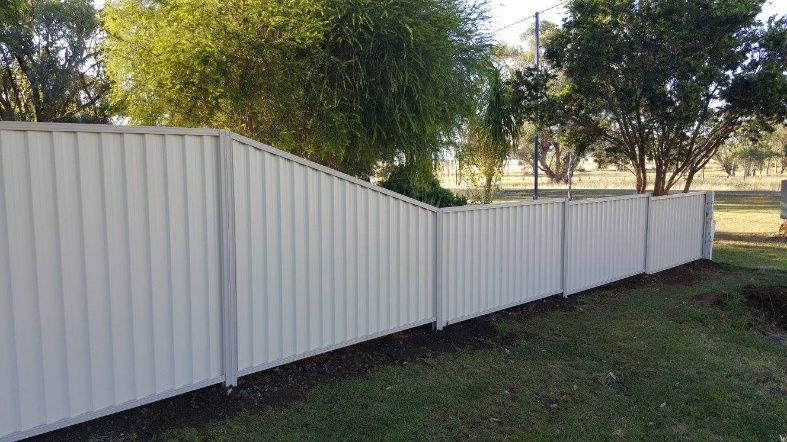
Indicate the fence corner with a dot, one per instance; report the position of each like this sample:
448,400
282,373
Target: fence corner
709,226
564,251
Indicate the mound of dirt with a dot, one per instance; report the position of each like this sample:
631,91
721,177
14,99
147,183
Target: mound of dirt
770,302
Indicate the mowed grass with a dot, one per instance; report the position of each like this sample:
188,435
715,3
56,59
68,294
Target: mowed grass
640,362
747,226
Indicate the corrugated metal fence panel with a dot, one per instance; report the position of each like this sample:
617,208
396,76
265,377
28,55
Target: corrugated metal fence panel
497,257
108,271
110,275
676,230
323,262
605,241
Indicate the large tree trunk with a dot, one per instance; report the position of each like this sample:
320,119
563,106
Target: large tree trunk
660,181
641,173
641,183
689,180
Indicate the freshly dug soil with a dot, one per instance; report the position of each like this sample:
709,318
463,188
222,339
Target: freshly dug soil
686,274
292,381
770,302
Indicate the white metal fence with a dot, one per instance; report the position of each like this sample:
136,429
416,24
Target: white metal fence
140,263
323,262
498,256
676,232
605,241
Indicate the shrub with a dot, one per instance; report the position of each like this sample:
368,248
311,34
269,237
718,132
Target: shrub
425,188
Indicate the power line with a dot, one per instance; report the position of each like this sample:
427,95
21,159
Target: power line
530,16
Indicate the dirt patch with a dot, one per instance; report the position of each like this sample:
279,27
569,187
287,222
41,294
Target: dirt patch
711,299
292,381
769,302
687,274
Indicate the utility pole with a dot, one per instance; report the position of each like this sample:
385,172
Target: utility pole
535,139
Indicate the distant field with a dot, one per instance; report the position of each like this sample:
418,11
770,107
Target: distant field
713,178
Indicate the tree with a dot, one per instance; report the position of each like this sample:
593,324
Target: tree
491,133
49,66
754,157
534,106
776,140
668,81
352,84
727,157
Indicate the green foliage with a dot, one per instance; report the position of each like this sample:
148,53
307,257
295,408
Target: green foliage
753,156
491,133
755,147
537,108
668,81
351,84
48,62
421,185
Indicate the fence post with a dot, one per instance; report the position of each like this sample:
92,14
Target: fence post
648,216
438,271
709,226
229,294
564,248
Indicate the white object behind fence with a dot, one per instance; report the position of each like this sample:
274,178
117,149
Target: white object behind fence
109,271
605,240
676,232
323,262
498,256
138,263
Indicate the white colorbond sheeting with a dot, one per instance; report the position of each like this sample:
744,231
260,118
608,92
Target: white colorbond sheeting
322,262
676,230
497,257
605,241
137,263
109,273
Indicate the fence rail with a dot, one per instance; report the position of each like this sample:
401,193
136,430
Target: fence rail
139,263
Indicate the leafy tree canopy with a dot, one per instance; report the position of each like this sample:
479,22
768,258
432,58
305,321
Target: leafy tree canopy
48,65
352,84
668,81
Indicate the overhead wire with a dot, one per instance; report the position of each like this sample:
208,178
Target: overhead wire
530,16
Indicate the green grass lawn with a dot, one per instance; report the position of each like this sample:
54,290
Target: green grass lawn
648,361
746,228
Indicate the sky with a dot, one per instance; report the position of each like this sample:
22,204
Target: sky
505,12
